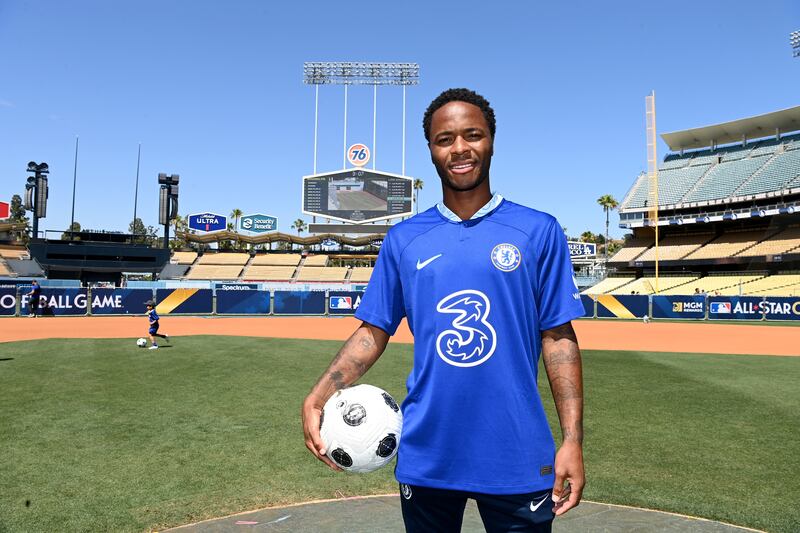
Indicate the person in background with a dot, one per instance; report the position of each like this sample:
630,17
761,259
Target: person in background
35,294
152,332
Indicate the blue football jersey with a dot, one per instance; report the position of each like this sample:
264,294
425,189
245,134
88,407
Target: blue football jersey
153,316
476,294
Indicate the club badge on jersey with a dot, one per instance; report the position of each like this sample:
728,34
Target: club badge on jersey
506,257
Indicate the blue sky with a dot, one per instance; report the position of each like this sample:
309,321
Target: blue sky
214,92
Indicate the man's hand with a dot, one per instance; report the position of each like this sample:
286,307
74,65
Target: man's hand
357,355
311,415
569,468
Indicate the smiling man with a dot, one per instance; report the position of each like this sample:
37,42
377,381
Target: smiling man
486,286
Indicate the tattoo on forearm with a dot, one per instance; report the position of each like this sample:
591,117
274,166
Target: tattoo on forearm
562,360
562,357
337,379
350,363
564,389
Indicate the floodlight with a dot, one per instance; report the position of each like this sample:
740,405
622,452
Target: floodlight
794,40
32,166
350,73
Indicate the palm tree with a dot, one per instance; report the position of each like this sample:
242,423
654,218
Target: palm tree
235,215
299,225
607,202
418,183
587,236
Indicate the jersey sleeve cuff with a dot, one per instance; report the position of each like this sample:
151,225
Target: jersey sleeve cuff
560,319
376,321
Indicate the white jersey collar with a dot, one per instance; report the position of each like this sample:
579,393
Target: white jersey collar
449,215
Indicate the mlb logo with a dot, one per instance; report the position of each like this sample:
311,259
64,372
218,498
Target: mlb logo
721,308
677,307
341,302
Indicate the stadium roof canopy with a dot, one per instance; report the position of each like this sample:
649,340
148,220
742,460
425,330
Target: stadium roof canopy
769,124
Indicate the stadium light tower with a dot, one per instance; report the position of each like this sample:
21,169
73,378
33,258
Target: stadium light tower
349,73
794,40
36,193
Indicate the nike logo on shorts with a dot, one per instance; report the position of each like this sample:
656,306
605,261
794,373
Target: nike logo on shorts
423,264
534,508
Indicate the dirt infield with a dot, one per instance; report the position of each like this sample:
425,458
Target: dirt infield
592,334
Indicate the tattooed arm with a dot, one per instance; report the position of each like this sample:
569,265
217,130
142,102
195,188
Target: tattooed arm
355,357
562,361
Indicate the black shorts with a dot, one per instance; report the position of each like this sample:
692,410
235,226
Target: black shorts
426,509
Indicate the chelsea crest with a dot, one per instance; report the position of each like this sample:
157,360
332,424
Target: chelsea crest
506,257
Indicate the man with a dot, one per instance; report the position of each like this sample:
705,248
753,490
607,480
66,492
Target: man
153,319
486,286
35,296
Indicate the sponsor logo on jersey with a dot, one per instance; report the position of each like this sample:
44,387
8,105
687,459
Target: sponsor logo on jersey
472,339
506,257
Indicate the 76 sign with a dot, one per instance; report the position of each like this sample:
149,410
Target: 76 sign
358,155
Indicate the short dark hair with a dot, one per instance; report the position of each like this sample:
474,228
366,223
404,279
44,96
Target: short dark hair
458,95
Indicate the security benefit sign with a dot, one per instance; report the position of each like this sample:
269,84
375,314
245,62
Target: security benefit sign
119,301
258,223
207,222
343,302
582,249
679,307
55,302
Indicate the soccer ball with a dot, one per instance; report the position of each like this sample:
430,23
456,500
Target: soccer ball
361,428
141,343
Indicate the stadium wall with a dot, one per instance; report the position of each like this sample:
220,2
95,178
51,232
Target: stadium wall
249,300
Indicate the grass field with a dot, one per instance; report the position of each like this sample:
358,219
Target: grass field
99,435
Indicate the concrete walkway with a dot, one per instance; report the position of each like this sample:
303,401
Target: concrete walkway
382,514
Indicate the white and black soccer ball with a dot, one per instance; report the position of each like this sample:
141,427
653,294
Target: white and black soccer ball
361,428
141,342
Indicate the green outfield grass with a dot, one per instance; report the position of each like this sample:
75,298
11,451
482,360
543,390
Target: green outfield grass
99,435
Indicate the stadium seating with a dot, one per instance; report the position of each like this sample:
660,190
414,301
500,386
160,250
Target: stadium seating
674,184
647,285
775,285
633,249
4,270
315,273
13,252
727,284
316,260
608,285
786,241
774,175
675,247
184,258
361,274
224,258
269,273
724,178
276,259
727,245
222,272
730,171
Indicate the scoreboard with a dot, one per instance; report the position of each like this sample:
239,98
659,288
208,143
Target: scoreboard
357,195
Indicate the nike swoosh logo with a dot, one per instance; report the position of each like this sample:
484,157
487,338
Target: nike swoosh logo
535,507
423,264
